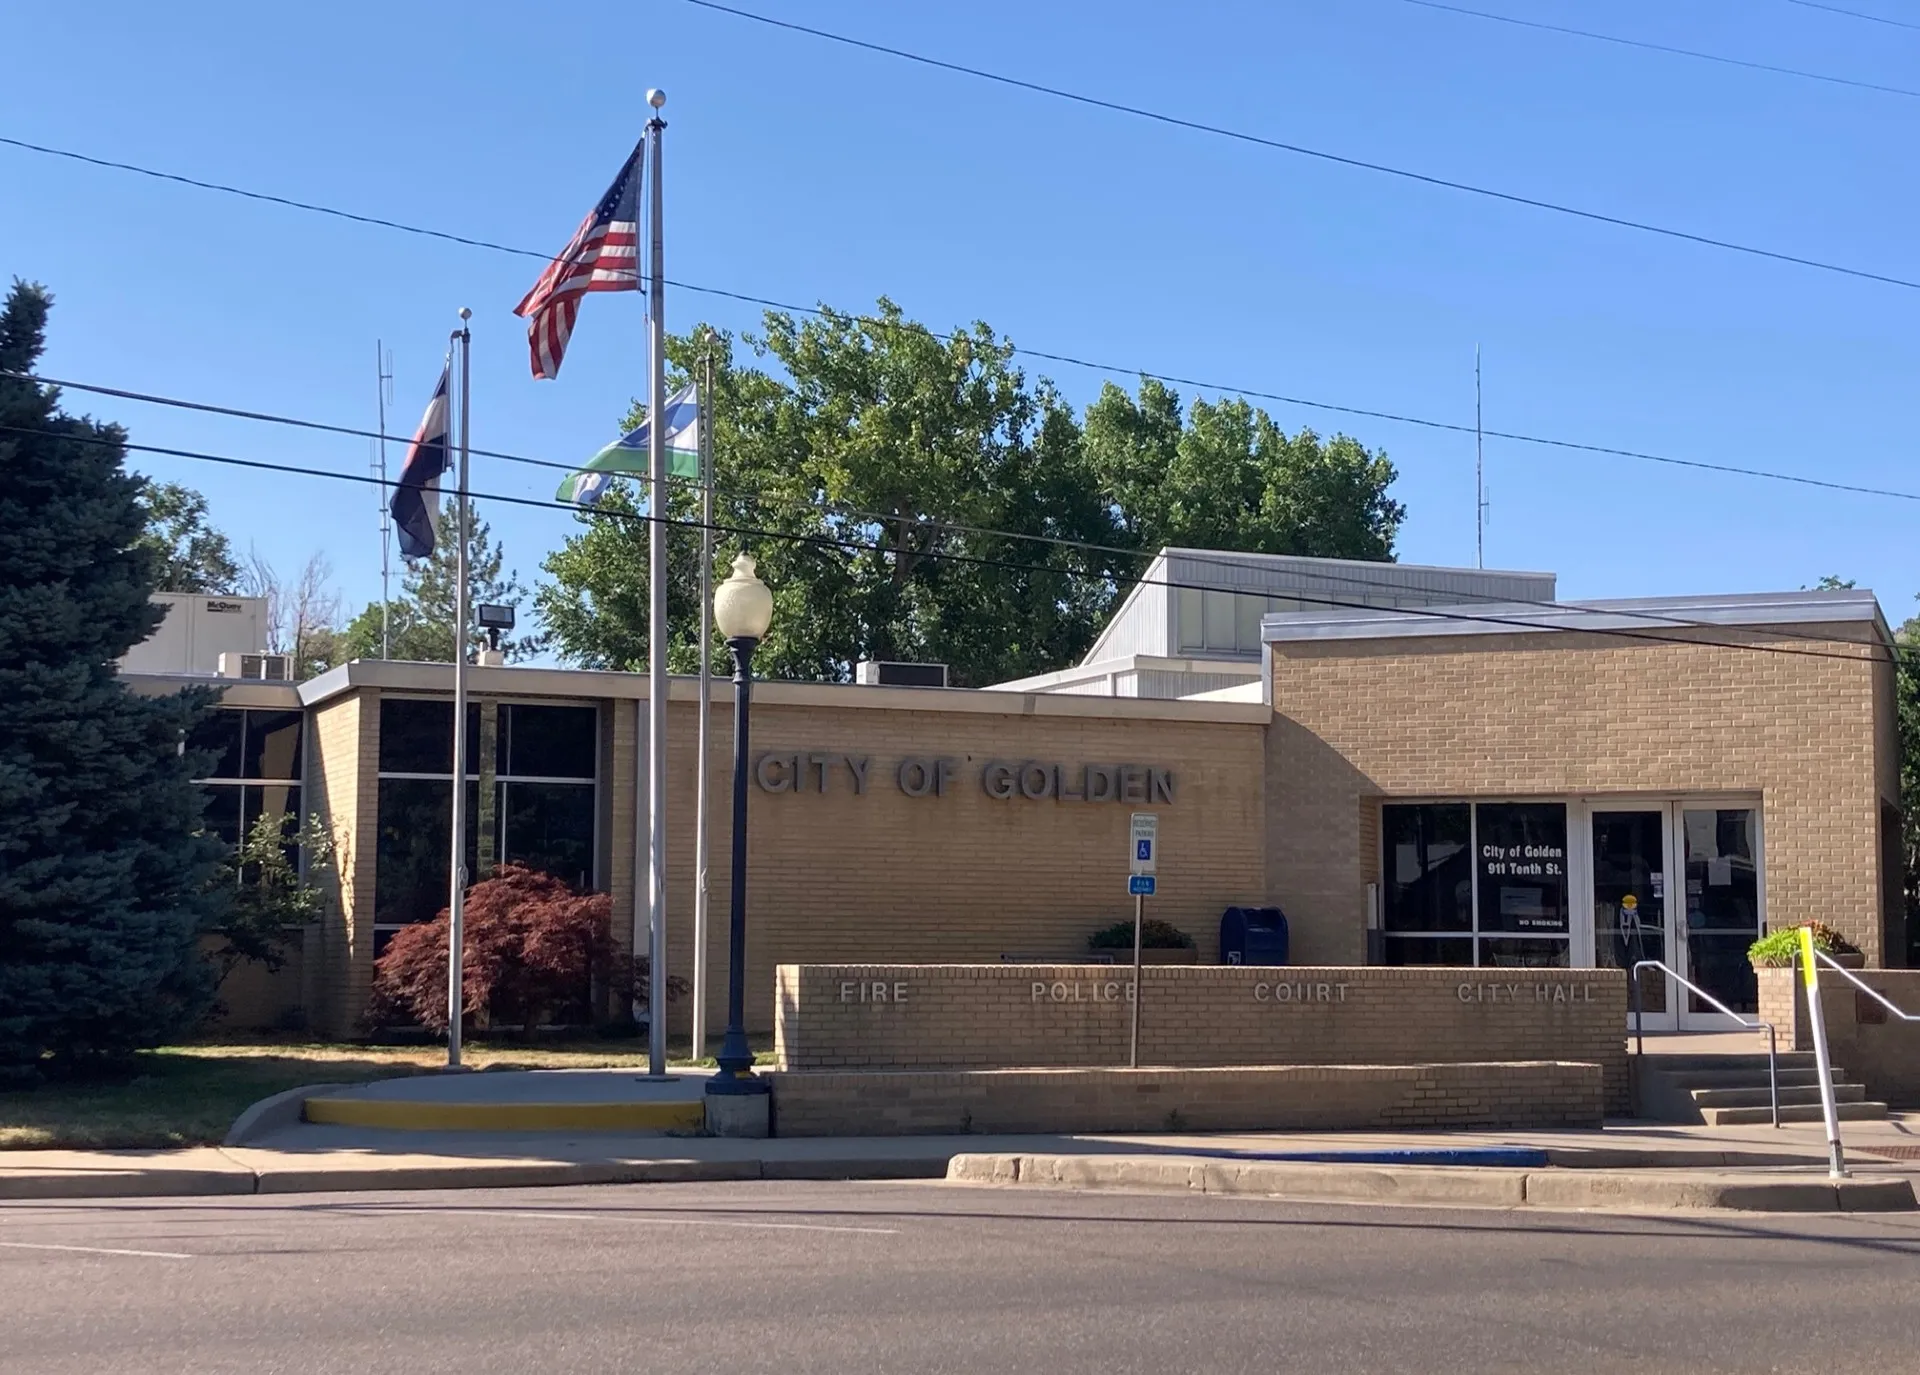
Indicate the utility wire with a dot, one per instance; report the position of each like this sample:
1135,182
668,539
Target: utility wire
1855,14
1301,150
846,544
1665,48
826,505
845,510
1092,365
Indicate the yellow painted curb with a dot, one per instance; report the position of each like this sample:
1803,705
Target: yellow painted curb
409,1116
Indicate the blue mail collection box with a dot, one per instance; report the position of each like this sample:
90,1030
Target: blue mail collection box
1253,935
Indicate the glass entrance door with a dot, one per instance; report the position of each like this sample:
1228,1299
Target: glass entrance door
1630,904
1679,883
1721,907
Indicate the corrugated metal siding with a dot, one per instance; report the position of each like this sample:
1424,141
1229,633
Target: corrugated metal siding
1148,622
1165,683
1368,584
1142,625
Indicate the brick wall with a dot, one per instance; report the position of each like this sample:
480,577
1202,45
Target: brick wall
922,1017
1873,1046
344,790
1569,715
1508,1096
254,998
881,876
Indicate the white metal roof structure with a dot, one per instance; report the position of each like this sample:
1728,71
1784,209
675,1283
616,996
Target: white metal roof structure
1192,624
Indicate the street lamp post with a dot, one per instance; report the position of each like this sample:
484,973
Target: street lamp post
742,609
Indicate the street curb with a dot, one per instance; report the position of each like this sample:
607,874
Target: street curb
292,1179
1622,1190
279,1110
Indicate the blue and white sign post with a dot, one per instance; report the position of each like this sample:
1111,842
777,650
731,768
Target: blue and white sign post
1143,844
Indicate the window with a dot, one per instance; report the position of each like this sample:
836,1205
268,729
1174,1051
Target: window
548,742
1475,884
1217,612
1216,620
1187,616
544,803
1246,621
416,737
253,769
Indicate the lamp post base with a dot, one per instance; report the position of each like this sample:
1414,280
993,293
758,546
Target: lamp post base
743,1083
734,1113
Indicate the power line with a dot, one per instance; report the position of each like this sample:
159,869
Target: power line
1665,48
1855,14
825,506
1070,360
1260,140
850,545
1093,365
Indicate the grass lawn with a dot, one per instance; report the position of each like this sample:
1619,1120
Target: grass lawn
188,1095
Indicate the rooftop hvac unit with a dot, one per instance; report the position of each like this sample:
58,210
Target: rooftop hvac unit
273,668
879,673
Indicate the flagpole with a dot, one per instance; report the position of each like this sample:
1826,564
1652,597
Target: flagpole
706,709
656,611
457,865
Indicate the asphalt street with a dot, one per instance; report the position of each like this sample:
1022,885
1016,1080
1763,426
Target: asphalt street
801,1278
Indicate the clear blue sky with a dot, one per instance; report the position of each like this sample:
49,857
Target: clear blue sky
808,172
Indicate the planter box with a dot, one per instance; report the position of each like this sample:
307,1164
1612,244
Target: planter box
1853,960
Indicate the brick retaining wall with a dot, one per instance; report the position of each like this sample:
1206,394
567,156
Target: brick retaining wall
1507,1096
831,1018
1872,1045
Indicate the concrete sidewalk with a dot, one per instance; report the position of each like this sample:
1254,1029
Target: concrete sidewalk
315,1158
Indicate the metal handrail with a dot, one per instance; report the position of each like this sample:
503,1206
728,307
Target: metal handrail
1757,1024
1872,993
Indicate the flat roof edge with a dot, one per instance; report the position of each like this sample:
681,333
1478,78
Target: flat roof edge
1651,614
521,681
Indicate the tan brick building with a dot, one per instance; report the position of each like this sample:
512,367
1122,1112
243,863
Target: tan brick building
1529,785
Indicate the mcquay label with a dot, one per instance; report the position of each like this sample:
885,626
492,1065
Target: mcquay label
824,772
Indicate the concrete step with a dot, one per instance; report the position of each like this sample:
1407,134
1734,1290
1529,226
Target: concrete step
1789,1059
1809,1112
1747,1097
1743,1078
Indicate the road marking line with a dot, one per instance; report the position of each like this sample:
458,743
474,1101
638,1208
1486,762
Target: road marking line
666,1221
94,1250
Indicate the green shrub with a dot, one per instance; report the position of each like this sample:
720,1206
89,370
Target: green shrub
1154,935
1781,949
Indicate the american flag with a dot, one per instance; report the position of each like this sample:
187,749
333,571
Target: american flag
603,256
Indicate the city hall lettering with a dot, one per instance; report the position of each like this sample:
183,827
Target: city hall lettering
1535,993
827,772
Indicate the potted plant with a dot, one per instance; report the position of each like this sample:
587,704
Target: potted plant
1160,942
1781,949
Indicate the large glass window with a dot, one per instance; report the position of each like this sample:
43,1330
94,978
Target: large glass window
410,852
254,761
1218,620
1475,884
544,809
548,742
416,736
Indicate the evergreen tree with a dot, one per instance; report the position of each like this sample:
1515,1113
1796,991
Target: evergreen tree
420,619
105,877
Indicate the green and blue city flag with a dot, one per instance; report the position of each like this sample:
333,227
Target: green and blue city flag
628,454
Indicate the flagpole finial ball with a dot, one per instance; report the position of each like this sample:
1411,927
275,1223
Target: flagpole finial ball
656,97
465,314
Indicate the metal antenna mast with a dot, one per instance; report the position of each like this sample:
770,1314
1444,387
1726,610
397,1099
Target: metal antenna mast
383,372
1479,474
